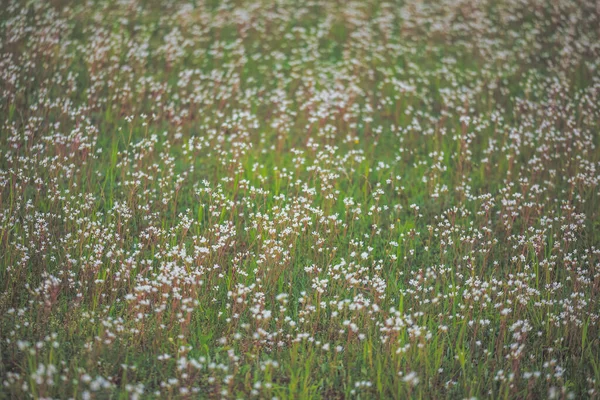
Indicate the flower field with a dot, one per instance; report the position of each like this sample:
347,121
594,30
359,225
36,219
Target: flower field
300,199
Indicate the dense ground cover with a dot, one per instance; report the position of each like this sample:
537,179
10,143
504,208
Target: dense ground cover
325,199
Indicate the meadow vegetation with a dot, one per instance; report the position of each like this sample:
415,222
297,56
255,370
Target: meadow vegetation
299,200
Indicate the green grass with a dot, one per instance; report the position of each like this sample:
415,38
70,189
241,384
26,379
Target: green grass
299,201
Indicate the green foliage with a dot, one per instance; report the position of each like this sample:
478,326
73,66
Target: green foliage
299,200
